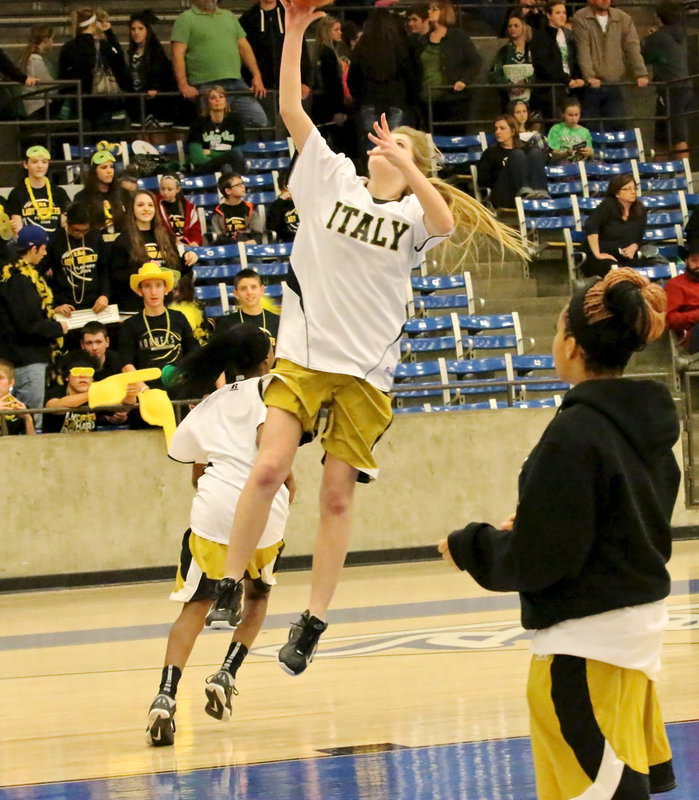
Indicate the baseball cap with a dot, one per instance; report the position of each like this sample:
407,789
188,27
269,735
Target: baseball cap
31,236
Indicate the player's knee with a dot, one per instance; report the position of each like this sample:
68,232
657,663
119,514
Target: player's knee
256,590
336,500
268,474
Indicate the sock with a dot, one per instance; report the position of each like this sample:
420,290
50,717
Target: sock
170,679
234,657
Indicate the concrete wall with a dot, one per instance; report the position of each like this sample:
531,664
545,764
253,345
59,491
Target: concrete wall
110,501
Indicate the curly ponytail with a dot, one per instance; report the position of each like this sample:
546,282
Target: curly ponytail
616,316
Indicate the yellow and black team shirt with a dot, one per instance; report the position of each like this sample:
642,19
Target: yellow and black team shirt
175,216
77,420
39,211
76,269
155,341
234,219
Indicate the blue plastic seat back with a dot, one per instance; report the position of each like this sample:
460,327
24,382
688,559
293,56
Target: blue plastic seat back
217,252
266,148
218,273
434,283
485,322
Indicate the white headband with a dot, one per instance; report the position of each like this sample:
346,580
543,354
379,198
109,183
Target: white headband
87,22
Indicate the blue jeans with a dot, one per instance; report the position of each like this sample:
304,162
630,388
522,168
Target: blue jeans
606,102
246,106
30,385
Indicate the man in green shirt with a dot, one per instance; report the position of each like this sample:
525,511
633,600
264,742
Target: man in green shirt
203,56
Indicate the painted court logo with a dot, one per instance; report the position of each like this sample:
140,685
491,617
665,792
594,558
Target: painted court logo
497,635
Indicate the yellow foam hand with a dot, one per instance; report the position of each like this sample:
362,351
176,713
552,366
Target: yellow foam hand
156,409
111,390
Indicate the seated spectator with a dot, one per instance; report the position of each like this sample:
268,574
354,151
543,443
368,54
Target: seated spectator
249,292
179,216
12,424
508,170
683,301
37,66
103,195
282,215
150,71
448,57
615,228
144,238
554,56
183,300
512,67
569,140
235,219
128,180
215,139
76,266
665,48
157,336
28,331
94,340
418,20
36,201
78,370
528,125
381,77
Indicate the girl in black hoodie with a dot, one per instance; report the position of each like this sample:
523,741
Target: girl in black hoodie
587,550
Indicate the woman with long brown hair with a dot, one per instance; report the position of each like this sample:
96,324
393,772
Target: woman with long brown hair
144,238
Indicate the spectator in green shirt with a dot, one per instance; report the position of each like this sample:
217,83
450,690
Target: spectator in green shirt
569,140
203,55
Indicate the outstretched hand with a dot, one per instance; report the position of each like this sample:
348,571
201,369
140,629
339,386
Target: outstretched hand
385,145
300,15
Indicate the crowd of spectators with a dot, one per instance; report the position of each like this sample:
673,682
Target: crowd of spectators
417,68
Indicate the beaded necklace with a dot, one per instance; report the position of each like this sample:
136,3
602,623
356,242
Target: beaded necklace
150,332
44,214
71,254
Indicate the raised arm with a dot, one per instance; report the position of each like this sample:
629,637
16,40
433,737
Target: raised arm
437,216
297,121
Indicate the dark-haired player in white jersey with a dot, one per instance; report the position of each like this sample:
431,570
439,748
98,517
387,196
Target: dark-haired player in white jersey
220,438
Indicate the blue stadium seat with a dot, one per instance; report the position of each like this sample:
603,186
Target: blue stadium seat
618,145
564,179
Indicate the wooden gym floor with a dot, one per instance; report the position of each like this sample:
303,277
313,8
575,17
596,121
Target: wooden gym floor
417,691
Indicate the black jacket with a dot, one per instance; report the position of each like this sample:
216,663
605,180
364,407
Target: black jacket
78,59
460,59
546,56
592,530
26,330
9,71
401,90
265,32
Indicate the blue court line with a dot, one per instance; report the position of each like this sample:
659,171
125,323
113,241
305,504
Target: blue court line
429,608
498,769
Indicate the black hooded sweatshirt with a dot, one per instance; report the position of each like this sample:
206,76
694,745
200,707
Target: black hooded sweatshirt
592,529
